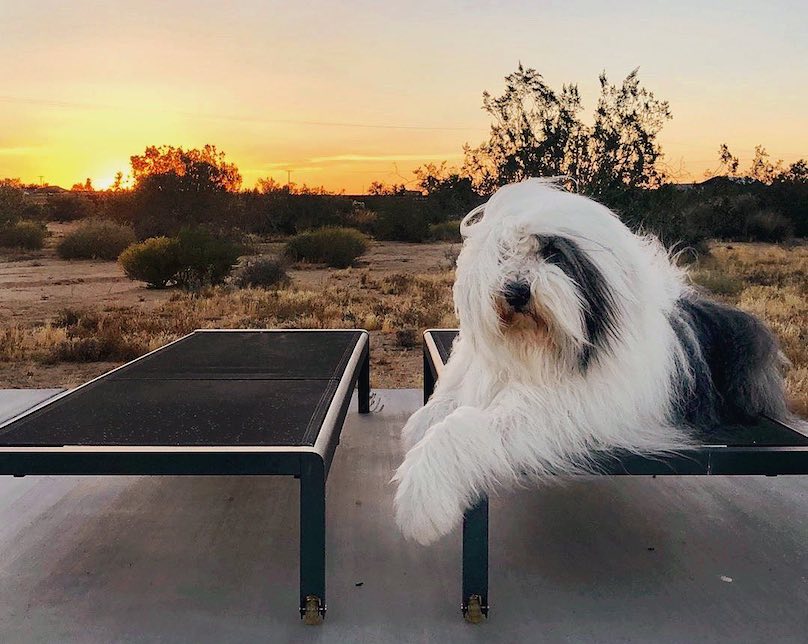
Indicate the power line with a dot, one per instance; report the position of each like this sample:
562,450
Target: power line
227,117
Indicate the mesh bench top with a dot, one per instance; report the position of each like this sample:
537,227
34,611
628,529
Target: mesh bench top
211,388
763,432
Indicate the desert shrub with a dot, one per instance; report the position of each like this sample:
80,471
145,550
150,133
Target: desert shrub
263,272
721,218
446,231
768,226
337,247
191,260
67,317
96,239
279,211
108,346
204,258
401,219
89,335
69,207
362,219
407,338
116,206
29,235
154,261
12,202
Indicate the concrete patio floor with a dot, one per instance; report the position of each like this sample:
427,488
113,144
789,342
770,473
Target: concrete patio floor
214,559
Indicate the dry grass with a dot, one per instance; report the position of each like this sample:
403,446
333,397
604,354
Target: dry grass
385,306
770,282
74,344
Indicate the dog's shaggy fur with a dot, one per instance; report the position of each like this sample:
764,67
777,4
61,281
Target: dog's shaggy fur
575,335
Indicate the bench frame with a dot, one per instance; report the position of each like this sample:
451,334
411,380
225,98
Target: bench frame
705,460
310,464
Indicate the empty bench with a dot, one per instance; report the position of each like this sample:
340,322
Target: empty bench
226,402
767,447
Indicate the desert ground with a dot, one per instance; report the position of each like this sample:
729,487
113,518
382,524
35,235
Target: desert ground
63,322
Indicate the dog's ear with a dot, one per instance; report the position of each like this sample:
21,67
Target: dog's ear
599,306
475,216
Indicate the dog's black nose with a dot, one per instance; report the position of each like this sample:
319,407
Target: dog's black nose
517,294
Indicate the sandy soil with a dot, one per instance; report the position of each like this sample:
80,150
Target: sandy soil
34,286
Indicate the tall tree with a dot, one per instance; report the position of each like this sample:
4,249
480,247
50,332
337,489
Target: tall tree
174,188
536,131
623,146
205,169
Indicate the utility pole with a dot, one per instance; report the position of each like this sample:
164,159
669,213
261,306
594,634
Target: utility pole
41,178
288,178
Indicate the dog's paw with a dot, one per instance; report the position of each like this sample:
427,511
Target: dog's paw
427,508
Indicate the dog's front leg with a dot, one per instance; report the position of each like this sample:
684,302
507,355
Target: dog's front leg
444,473
443,401
436,410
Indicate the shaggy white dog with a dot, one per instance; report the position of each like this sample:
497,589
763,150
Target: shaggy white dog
575,335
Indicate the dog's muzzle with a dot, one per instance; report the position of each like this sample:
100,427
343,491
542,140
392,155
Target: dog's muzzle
517,295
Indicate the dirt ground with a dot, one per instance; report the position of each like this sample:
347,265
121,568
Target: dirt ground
395,291
36,285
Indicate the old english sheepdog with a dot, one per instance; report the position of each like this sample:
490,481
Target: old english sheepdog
576,335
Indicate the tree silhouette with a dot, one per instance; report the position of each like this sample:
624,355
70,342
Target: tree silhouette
203,170
87,186
536,131
175,188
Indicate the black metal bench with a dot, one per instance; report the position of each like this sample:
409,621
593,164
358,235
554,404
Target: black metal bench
226,402
767,447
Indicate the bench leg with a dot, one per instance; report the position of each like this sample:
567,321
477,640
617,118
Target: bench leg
312,539
475,562
364,384
429,380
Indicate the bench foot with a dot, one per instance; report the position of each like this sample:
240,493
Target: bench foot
475,562
313,611
474,611
312,539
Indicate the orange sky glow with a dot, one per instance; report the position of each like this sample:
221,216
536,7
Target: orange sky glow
343,94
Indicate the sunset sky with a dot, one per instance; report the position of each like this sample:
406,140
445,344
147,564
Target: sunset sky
345,93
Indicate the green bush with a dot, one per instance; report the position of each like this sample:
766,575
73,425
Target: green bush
193,259
446,231
154,261
29,235
204,259
96,239
337,247
263,272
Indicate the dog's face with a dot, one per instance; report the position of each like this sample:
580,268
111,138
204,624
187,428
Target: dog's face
541,271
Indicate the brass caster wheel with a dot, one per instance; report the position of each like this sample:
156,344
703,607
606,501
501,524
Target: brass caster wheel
474,611
313,612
